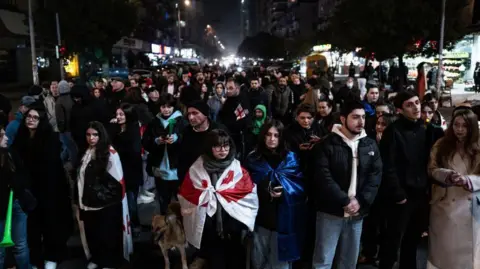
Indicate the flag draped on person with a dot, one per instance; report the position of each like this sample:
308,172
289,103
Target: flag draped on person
234,191
114,168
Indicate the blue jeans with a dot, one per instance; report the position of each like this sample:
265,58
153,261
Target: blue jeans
69,148
265,250
19,237
336,234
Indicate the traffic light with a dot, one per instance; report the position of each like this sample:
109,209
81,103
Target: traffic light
60,51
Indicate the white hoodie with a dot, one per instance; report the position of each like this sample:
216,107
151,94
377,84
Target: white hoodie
353,144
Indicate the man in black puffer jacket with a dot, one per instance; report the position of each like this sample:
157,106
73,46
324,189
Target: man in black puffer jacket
348,171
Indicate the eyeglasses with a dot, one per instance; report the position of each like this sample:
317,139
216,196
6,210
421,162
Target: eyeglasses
92,134
219,148
33,117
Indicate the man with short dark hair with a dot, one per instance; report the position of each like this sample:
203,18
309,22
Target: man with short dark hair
348,171
236,115
405,148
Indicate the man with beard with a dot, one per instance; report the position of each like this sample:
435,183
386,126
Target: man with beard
194,135
257,95
282,102
235,115
348,170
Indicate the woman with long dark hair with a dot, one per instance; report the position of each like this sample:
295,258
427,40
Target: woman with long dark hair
14,177
282,197
219,201
50,223
126,140
103,210
454,240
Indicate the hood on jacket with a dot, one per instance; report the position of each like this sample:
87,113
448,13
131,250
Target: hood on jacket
258,123
175,114
263,109
63,87
353,145
337,130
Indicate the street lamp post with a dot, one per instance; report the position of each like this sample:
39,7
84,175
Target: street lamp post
187,4
36,81
179,28
440,49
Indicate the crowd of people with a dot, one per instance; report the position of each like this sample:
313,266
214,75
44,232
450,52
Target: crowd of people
271,170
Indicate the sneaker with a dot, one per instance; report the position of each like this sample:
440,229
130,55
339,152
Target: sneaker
92,265
50,265
143,199
148,193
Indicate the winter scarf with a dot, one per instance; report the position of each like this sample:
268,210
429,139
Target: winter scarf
258,123
215,169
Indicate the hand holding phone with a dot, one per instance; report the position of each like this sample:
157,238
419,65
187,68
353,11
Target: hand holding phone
305,146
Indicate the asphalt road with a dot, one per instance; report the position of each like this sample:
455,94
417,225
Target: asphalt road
148,256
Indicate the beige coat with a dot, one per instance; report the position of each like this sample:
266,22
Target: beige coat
454,237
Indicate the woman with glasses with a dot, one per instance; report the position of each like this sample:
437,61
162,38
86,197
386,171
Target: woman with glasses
103,210
219,201
50,223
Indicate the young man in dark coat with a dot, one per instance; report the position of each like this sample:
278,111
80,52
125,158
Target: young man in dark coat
194,136
348,171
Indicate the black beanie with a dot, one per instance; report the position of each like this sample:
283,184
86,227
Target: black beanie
200,106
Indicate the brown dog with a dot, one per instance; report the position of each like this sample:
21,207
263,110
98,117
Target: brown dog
169,233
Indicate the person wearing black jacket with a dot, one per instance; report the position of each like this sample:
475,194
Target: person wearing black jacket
50,223
194,136
99,196
13,177
405,148
236,115
162,142
301,136
348,171
127,141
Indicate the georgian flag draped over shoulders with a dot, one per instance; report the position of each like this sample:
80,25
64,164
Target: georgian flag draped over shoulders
235,191
116,171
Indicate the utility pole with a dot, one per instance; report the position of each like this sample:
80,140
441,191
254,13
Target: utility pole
179,28
440,50
32,44
59,41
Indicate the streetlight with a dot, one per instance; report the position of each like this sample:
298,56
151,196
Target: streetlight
208,26
187,4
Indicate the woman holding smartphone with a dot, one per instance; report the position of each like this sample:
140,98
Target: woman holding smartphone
282,197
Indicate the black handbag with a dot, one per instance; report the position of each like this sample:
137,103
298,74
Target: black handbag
101,190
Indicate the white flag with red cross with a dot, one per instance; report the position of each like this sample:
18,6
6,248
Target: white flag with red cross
240,112
234,191
116,171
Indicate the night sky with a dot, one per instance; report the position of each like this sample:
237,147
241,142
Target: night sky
224,17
